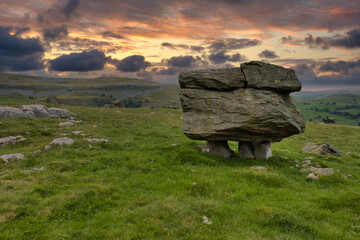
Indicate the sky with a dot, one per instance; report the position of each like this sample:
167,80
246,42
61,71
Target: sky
157,39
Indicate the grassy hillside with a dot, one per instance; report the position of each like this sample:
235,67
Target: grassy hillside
93,92
345,108
151,182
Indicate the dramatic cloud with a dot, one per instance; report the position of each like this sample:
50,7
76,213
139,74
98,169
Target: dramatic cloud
339,66
55,34
109,34
268,54
182,61
70,7
232,44
132,63
165,71
350,40
18,54
222,57
193,48
79,62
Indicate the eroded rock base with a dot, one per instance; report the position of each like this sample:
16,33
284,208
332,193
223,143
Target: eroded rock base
246,150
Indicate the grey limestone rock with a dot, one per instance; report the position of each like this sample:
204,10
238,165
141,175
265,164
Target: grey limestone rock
40,111
322,171
13,156
59,112
219,148
262,75
62,141
11,112
249,104
246,150
262,150
11,140
217,79
321,149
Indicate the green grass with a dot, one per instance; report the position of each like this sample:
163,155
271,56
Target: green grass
327,106
151,182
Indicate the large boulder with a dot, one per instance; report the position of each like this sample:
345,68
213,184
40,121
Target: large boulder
249,104
33,111
11,112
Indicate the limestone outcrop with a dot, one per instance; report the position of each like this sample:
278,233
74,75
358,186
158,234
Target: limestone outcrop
249,104
33,111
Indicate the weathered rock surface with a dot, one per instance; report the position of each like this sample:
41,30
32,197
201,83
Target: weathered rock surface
52,99
13,156
33,111
62,141
262,150
97,140
321,149
218,79
245,114
246,150
218,148
11,112
11,140
322,171
250,104
262,75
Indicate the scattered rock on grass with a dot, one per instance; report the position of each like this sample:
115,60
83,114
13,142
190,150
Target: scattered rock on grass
33,170
11,140
77,132
13,156
62,141
96,140
206,220
68,123
37,151
321,149
312,176
259,167
322,171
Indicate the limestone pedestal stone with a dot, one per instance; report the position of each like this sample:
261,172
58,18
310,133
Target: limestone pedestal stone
250,104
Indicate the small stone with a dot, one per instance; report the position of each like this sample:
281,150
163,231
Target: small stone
77,132
194,183
174,144
348,176
284,158
306,163
47,147
259,167
62,141
322,171
206,220
13,156
262,150
308,158
94,126
96,140
11,140
68,123
152,112
37,151
321,149
33,170
312,176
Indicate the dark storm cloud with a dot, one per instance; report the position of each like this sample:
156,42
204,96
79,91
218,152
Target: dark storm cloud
328,72
70,7
20,31
232,44
55,33
109,34
193,48
350,39
181,61
339,66
18,54
132,63
79,62
222,57
268,54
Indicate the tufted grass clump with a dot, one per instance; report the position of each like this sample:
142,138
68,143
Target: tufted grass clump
151,182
